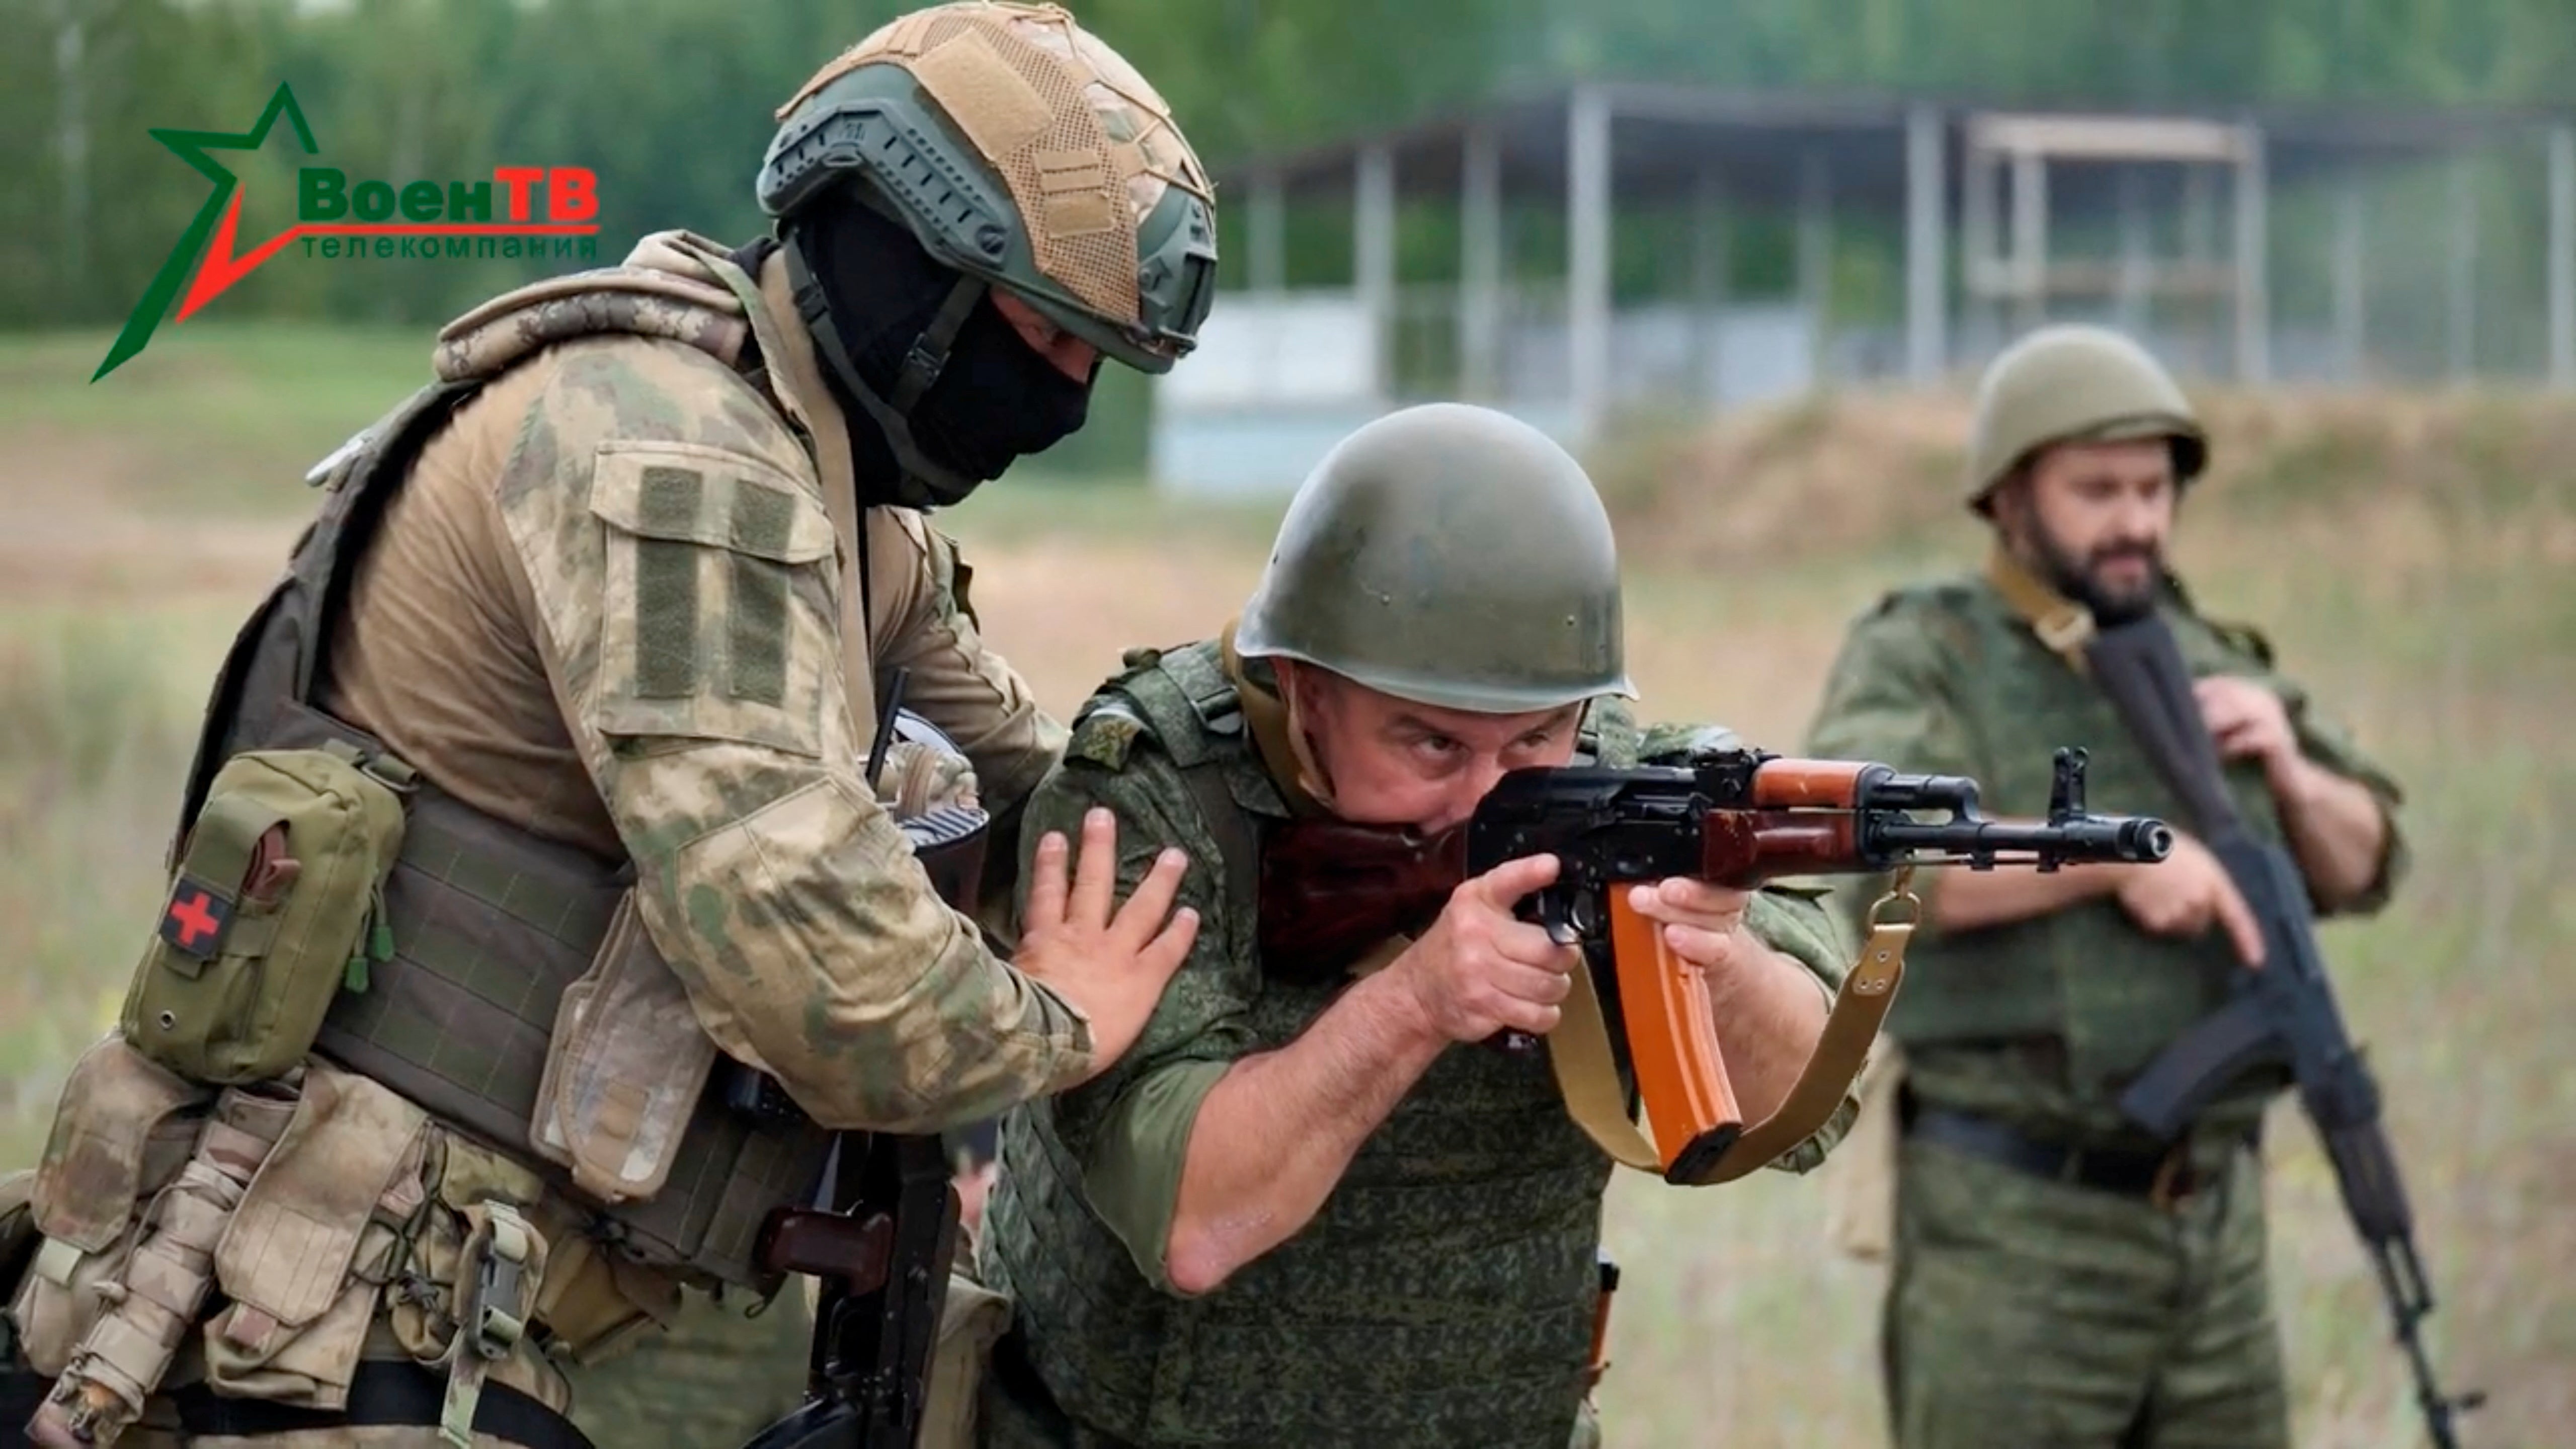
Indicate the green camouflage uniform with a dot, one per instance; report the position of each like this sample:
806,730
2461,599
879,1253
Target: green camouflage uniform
2024,1311
1444,1292
624,618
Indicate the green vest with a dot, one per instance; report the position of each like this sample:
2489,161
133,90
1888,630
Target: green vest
1443,1294
2110,994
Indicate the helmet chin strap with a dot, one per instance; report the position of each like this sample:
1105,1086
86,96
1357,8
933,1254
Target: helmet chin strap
923,483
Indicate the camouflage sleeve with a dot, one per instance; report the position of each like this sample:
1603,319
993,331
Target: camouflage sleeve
1887,698
961,685
2331,744
684,581
1673,743
1129,1128
971,693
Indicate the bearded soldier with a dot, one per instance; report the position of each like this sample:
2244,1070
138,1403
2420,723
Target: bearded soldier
1305,1210
539,787
2059,1277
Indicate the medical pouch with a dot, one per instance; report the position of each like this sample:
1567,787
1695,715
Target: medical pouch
277,905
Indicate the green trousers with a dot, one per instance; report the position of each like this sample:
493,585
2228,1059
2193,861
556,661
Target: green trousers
2023,1312
711,1381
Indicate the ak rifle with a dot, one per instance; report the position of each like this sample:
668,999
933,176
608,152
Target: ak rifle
2282,1013
1330,891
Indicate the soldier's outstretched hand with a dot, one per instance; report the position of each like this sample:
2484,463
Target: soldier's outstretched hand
1111,964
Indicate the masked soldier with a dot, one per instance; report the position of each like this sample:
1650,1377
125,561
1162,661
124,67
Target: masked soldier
1305,1210
533,917
2059,1278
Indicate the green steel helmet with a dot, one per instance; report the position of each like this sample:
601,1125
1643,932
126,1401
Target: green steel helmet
2075,384
1020,150
1450,555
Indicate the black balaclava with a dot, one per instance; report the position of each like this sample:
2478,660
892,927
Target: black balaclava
992,399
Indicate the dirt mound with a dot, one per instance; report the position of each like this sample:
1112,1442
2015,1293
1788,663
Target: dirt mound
1854,471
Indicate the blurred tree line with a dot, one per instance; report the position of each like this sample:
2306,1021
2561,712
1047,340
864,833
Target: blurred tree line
670,101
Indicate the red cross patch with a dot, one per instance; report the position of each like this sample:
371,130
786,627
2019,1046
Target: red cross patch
195,918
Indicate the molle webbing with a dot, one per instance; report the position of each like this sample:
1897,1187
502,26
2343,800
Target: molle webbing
489,926
487,931
489,922
1184,698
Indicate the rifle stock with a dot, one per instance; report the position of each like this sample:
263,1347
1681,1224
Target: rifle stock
1330,891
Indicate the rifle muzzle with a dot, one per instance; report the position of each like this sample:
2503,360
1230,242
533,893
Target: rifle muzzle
2127,839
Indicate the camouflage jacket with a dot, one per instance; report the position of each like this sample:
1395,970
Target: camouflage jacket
620,602
2042,1022
1441,1295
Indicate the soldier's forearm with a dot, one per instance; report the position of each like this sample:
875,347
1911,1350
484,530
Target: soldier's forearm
1769,1014
1969,900
1279,1129
807,933
2336,828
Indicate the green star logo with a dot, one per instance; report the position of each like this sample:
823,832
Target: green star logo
223,207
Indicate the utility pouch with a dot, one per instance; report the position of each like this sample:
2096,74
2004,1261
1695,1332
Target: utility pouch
121,1133
467,1283
624,1068
276,904
595,1302
151,1304
305,1254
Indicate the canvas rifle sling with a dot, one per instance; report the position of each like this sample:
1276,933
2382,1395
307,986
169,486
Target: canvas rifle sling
2065,626
1587,1073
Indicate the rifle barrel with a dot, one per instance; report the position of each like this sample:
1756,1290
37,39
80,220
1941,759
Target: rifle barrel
2115,838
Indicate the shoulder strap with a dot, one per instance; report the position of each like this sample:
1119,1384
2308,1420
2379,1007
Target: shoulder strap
1212,699
1238,838
356,504
1184,701
2065,626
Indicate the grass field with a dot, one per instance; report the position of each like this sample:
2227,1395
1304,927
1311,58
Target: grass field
2409,557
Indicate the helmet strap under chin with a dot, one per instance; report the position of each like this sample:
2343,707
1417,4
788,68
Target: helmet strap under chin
935,484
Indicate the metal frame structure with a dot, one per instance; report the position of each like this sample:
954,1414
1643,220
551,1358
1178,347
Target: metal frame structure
1933,164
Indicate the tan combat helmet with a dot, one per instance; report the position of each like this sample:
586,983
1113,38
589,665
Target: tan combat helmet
2069,384
1022,151
1450,555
